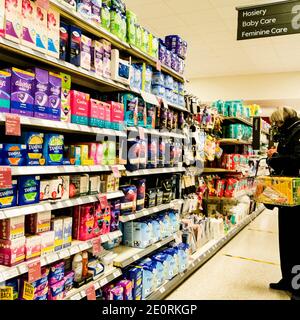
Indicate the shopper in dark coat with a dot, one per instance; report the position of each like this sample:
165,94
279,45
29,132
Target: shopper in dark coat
285,161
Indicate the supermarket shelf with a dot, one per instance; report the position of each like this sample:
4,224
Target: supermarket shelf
105,278
94,28
148,212
79,75
233,142
54,205
218,170
154,171
22,171
237,196
77,246
128,255
238,120
202,256
64,126
158,133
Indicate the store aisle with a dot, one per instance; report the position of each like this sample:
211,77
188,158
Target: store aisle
242,270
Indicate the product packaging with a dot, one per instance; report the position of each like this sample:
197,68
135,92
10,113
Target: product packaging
74,45
38,222
12,228
32,247
13,20
9,197
12,252
41,28
28,23
28,190
5,79
79,107
53,19
53,149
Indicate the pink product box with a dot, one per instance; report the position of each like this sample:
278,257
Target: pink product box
84,218
79,107
116,115
12,252
32,247
94,107
12,228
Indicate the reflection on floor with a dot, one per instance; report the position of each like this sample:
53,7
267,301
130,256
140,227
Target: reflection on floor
242,270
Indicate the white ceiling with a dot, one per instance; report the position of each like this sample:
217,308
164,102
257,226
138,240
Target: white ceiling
210,27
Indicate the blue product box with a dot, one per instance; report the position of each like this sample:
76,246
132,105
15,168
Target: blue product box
173,261
28,190
75,45
135,274
14,154
8,197
53,149
34,143
149,283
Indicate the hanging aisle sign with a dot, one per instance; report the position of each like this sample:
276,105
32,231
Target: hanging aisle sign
269,20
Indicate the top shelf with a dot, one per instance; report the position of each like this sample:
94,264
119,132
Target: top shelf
92,28
238,120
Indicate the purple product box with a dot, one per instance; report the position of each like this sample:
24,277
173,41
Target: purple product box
168,58
22,94
40,87
5,91
162,52
54,96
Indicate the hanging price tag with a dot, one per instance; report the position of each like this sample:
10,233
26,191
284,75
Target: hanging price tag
28,291
115,171
142,133
12,125
158,65
34,271
91,293
6,293
5,178
103,201
97,248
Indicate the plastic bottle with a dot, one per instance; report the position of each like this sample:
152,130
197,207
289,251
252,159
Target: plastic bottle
77,267
84,264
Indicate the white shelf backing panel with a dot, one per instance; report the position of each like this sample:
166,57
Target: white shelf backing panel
76,246
149,211
106,277
37,170
61,126
200,257
54,205
154,171
128,255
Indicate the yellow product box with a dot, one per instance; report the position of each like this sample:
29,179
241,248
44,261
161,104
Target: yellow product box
282,191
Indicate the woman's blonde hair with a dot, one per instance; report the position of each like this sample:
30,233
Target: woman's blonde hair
283,113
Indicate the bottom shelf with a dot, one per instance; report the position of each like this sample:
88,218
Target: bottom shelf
201,256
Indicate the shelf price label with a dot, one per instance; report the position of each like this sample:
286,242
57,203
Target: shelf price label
6,293
28,291
91,293
12,125
34,271
5,178
97,248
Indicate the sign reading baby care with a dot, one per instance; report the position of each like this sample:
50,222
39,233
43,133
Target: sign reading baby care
269,20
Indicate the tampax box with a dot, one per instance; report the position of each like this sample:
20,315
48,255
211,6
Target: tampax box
32,247
34,144
14,154
28,190
97,57
67,231
41,91
47,242
53,22
28,24
9,197
12,228
55,83
53,149
13,20
38,222
5,78
85,52
22,94
74,45
41,29
12,252
57,225
79,107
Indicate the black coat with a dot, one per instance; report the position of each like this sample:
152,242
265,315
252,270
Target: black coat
286,162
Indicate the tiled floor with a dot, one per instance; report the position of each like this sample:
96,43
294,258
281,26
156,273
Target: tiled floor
242,270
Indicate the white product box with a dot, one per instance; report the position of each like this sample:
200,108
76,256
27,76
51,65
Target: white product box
65,187
44,190
28,24
47,242
67,231
57,225
85,52
55,189
94,187
38,222
13,20
41,29
12,228
2,18
53,33
33,247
